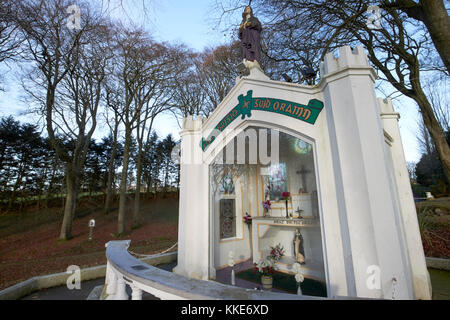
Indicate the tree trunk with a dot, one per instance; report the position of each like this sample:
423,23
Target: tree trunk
50,183
155,188
418,95
13,196
109,191
123,183
137,194
38,204
70,204
430,121
166,178
436,132
427,141
149,188
111,173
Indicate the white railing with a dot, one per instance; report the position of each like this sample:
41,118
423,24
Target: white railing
124,269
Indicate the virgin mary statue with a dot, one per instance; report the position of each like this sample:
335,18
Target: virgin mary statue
250,36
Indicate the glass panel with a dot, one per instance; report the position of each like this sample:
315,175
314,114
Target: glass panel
240,185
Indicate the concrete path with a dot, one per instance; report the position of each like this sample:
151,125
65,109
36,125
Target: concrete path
63,293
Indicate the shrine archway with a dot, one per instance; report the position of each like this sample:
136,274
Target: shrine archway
294,224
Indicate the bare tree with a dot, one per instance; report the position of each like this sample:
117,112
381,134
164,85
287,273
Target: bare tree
10,39
145,70
411,166
113,100
80,98
434,15
424,140
131,59
188,95
208,78
67,69
218,70
397,50
152,99
437,92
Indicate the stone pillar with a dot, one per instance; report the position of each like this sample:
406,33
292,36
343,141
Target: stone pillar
193,230
110,281
121,293
374,248
417,262
136,293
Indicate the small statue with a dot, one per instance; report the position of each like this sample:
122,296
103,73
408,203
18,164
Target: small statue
250,36
298,247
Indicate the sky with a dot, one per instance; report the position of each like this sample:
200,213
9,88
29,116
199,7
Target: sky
191,23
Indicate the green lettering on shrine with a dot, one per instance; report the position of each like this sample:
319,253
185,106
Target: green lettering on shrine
307,113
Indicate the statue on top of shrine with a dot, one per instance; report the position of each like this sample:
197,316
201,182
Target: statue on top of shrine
250,36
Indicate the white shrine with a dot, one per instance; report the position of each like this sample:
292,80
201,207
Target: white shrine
336,149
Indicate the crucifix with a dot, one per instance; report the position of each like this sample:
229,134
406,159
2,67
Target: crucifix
303,172
298,212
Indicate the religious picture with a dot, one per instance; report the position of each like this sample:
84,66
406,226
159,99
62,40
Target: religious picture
226,185
277,181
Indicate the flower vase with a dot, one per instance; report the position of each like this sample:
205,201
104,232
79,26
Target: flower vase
299,289
287,214
251,239
267,282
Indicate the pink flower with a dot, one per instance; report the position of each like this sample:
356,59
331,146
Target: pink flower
277,252
286,194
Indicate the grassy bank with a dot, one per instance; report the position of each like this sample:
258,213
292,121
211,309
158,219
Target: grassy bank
29,243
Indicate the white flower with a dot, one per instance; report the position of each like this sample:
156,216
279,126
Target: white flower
231,260
298,272
299,277
266,263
